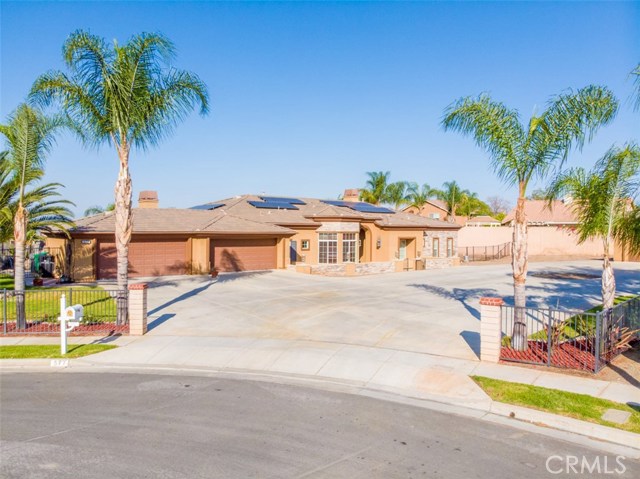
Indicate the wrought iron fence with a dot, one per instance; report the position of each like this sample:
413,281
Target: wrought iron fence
485,253
568,339
36,311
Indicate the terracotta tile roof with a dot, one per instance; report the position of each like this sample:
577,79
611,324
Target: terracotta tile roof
538,212
315,208
174,220
239,216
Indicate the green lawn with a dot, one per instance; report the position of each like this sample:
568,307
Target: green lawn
51,351
43,304
578,406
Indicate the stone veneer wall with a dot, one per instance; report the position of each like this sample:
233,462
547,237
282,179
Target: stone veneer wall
437,263
442,236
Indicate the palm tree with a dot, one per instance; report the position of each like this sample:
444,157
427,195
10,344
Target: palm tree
600,199
29,136
397,194
6,192
452,195
126,95
520,152
97,209
419,195
375,191
471,205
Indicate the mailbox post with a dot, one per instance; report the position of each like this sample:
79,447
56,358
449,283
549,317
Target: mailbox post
70,317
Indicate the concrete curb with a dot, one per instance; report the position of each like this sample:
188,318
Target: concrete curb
573,430
583,428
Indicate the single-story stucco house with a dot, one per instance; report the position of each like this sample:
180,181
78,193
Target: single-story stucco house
250,232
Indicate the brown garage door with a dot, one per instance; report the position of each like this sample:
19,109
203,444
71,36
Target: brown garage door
243,255
146,258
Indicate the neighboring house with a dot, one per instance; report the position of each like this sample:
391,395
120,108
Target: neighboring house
541,213
483,220
551,234
434,209
260,233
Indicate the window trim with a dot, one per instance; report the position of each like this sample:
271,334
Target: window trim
435,247
303,243
333,241
353,247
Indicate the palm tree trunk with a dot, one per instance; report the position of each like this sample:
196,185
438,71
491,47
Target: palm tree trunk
123,230
519,263
19,237
608,280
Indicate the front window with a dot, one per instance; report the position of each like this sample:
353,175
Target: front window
449,247
435,248
349,247
328,247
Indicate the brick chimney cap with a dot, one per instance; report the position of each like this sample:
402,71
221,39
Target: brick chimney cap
148,195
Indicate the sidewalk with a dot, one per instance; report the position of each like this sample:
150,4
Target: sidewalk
425,380
410,374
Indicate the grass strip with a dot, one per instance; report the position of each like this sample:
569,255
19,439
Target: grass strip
46,351
578,406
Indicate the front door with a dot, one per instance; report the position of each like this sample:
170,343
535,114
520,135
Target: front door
402,253
293,251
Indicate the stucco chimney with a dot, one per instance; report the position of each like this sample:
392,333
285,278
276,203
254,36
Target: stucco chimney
148,199
352,194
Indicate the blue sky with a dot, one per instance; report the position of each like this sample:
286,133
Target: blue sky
307,97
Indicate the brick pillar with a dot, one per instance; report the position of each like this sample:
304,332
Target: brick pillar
490,329
138,309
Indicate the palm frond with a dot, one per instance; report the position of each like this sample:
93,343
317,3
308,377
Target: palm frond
571,119
494,128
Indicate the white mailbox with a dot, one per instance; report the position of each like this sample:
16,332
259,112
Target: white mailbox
74,313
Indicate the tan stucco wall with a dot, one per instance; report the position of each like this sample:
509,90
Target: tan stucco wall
428,209
387,251
309,256
543,240
281,245
621,253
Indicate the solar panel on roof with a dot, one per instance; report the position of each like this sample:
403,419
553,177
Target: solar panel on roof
335,202
272,205
208,206
359,206
280,199
367,208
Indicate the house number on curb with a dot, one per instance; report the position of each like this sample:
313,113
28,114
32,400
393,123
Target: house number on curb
59,363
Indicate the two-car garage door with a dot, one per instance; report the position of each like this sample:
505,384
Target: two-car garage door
146,258
243,254
161,257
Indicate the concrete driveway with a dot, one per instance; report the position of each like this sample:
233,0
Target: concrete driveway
434,312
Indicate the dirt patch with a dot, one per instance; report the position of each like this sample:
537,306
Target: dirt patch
563,275
623,369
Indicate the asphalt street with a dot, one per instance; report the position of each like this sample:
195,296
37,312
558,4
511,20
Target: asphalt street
111,425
